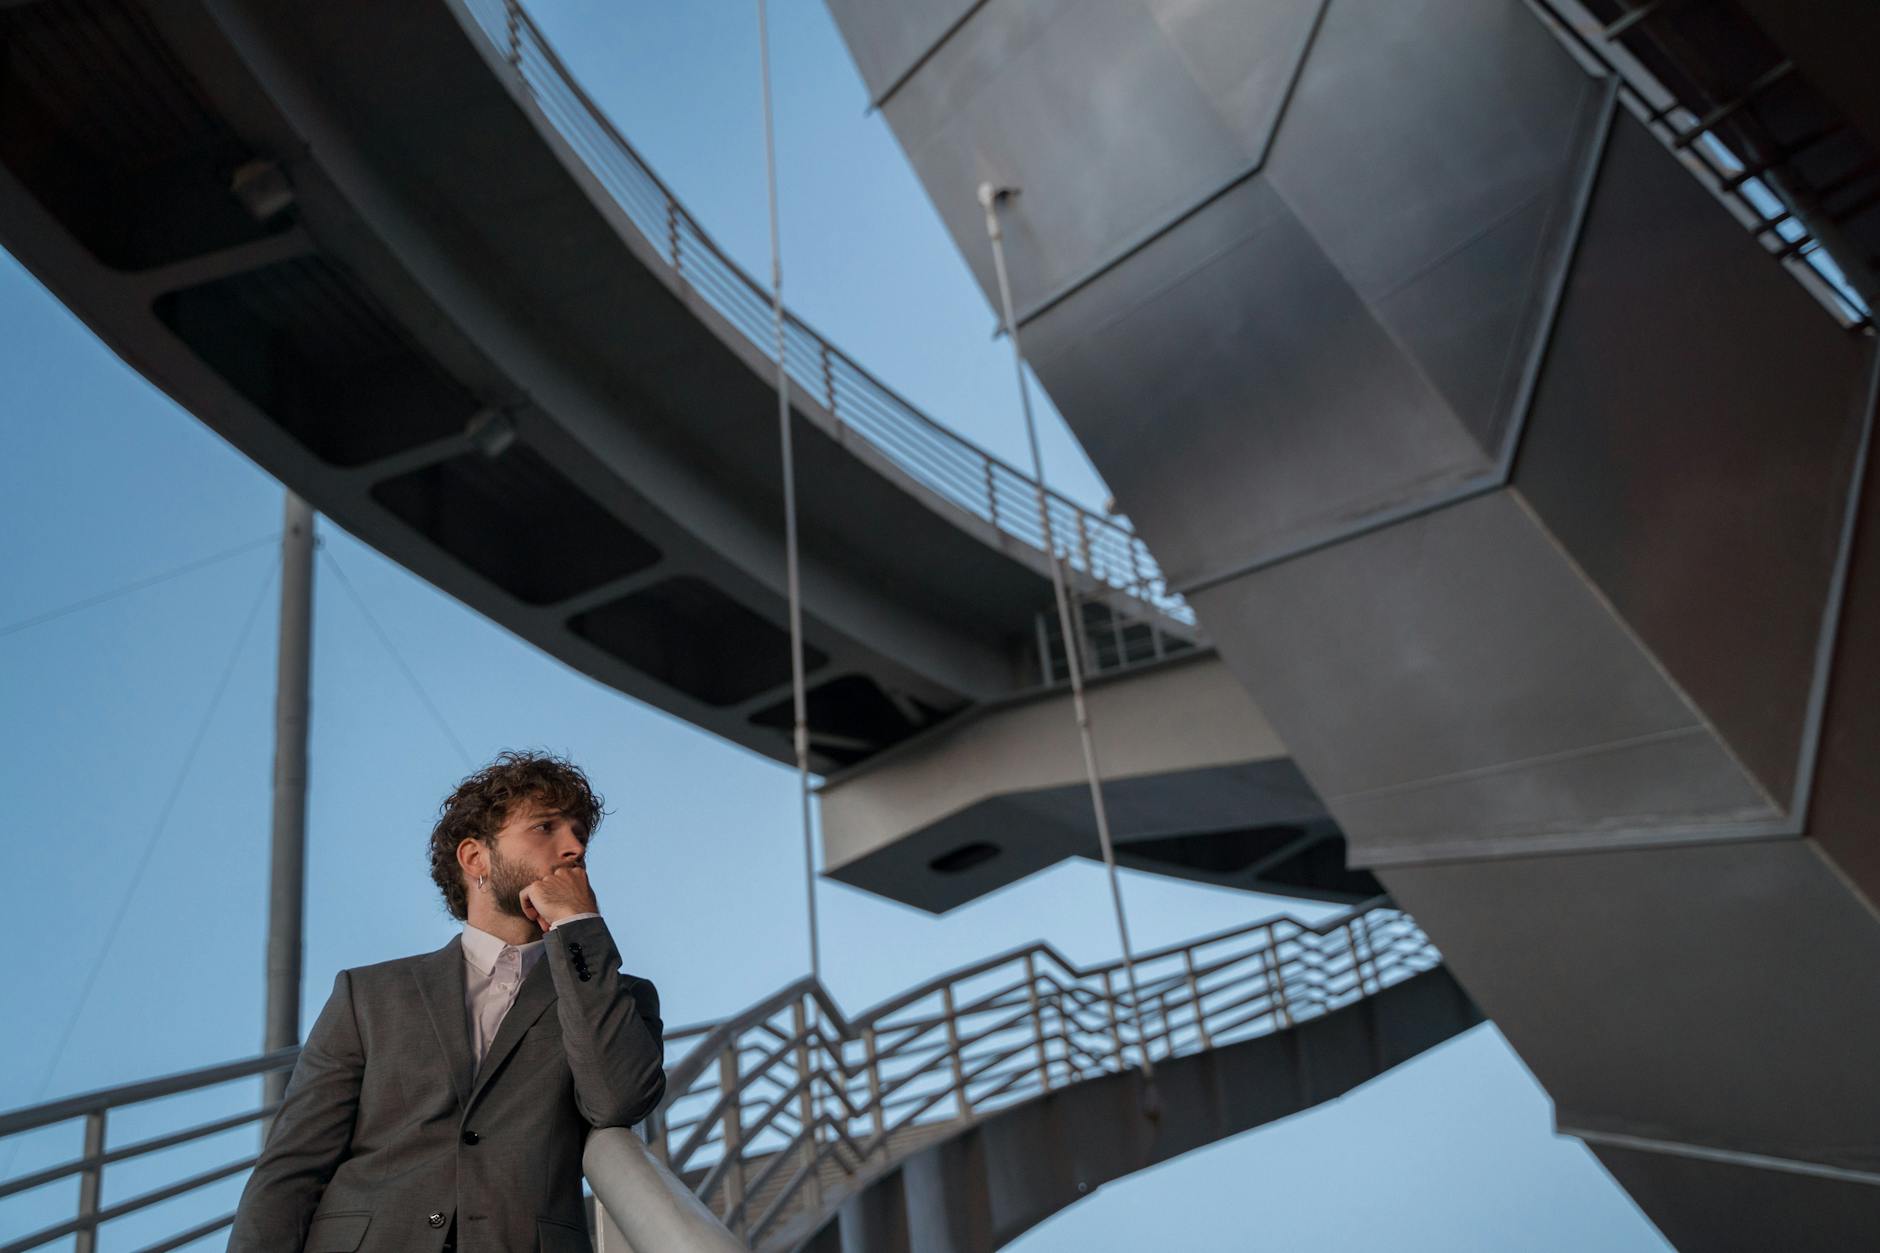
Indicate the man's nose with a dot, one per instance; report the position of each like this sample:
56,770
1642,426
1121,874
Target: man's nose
570,849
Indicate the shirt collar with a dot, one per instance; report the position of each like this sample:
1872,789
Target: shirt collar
481,950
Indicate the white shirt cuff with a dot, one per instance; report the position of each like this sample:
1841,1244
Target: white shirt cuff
570,918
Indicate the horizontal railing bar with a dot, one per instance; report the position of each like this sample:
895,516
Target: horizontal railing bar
192,1235
27,1183
47,1235
147,1090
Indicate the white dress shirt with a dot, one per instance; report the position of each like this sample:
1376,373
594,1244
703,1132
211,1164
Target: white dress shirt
493,971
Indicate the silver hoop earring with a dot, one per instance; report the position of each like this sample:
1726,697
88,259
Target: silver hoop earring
480,882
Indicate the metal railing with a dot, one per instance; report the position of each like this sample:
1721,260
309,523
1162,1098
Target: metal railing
1692,138
775,1115
772,1116
93,1110
854,401
1107,639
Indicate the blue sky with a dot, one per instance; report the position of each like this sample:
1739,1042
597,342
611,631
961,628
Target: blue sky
142,853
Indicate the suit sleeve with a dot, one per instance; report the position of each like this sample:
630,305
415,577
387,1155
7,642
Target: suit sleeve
610,1026
311,1135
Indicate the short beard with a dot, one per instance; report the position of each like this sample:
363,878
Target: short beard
507,879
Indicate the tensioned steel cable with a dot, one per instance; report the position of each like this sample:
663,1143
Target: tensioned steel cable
391,649
136,585
798,697
989,197
155,837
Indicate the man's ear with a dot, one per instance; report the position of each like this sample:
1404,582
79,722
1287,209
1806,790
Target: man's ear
473,858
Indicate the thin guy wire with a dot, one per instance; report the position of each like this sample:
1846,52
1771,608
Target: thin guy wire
411,677
137,585
1072,641
150,845
798,697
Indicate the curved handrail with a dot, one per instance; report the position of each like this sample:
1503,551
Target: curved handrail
853,399
761,1117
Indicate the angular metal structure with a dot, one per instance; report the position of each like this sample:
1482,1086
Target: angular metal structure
1521,488
1197,785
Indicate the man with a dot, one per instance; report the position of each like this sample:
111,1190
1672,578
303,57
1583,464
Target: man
441,1102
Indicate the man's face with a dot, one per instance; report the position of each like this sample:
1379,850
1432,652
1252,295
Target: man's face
535,840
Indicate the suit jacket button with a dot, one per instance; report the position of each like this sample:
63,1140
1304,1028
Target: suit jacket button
471,1137
436,1220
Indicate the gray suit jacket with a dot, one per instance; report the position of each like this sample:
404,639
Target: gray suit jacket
384,1135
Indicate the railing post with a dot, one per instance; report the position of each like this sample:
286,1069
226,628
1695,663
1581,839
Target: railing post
512,14
1357,963
1047,675
1037,1019
953,1051
730,1087
873,1060
1083,543
1168,1024
672,238
829,381
1276,979
656,1137
1116,635
1140,584
806,1102
992,494
1194,998
1116,1029
90,1185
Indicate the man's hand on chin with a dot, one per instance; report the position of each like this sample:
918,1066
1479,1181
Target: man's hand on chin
562,893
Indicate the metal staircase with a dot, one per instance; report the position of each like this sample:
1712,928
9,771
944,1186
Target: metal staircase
786,1114
793,1121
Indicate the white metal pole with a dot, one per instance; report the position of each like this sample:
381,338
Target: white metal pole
798,696
989,197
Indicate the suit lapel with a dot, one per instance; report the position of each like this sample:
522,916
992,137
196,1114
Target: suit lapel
536,994
440,978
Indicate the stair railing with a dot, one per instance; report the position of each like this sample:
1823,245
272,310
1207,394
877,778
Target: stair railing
92,1110
773,1116
778,1112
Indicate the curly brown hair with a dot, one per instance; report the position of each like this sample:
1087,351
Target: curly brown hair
482,803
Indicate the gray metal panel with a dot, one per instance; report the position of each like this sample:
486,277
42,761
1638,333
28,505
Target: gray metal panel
886,37
1431,149
1691,444
1030,92
1451,681
1712,1207
1297,411
1842,816
1753,1029
1034,830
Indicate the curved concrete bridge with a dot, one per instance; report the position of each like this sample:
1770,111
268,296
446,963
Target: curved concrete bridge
474,328
471,326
